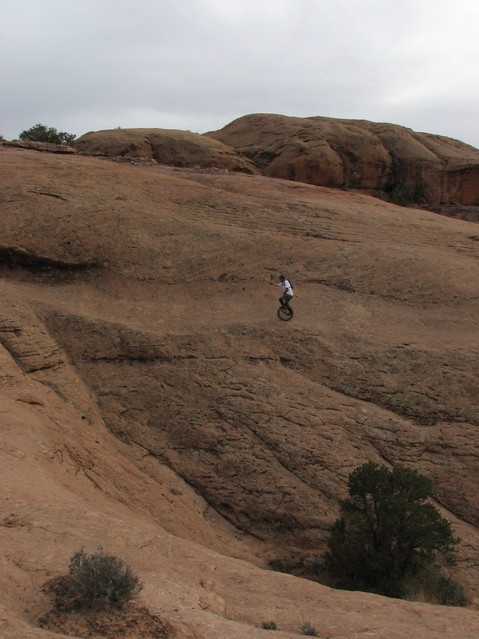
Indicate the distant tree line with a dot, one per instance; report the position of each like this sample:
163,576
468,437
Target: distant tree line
42,133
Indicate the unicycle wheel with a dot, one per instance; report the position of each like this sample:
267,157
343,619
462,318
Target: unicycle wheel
285,313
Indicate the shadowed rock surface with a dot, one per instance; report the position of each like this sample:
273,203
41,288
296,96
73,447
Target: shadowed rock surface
153,403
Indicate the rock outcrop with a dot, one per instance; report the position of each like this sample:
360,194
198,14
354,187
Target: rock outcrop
175,148
406,166
385,160
48,147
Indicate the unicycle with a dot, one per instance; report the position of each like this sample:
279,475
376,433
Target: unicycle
285,312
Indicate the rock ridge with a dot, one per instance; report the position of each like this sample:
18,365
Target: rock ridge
387,159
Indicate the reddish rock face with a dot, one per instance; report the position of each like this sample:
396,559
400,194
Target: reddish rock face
409,167
152,402
389,161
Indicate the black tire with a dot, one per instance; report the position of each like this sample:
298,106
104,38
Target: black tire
285,313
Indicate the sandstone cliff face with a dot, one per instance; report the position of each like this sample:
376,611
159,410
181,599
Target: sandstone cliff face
153,402
418,168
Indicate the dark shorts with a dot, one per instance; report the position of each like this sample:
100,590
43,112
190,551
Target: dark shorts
285,298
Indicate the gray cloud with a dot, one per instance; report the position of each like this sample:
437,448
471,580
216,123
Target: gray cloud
198,64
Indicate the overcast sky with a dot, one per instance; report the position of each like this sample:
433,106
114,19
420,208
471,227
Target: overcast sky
86,65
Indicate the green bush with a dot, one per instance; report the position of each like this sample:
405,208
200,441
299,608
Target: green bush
387,532
41,133
100,581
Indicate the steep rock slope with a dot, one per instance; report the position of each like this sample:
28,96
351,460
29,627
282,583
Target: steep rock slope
415,167
148,386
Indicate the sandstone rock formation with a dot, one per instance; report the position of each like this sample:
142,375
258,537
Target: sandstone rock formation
152,402
414,168
386,160
175,148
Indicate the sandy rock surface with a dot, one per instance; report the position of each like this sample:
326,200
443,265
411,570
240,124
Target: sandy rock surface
152,402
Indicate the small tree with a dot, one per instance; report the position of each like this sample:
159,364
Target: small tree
387,531
41,133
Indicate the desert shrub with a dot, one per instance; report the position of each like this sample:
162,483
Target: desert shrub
402,195
278,564
308,629
100,581
431,585
407,195
307,566
42,133
269,625
289,565
387,532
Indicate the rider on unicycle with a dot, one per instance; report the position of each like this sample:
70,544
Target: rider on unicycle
287,289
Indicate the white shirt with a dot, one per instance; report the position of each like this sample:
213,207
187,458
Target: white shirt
286,287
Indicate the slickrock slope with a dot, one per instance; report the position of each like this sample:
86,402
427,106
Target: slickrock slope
387,159
152,402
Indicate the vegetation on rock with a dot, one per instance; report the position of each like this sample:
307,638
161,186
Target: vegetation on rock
388,533
268,625
42,133
308,629
96,597
99,581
